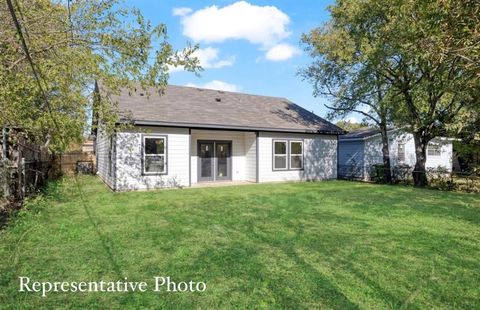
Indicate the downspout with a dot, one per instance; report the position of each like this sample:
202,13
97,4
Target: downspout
336,155
190,157
114,136
257,155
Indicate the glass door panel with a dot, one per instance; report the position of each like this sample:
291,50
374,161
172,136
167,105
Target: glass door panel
222,154
206,156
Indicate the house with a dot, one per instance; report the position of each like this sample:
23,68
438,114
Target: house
188,136
359,150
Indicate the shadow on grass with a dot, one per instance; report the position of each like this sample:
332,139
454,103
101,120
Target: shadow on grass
104,240
326,292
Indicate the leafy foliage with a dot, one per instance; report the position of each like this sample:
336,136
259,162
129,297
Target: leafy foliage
349,126
421,55
72,44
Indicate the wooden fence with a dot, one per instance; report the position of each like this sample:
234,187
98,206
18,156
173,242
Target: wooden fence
75,162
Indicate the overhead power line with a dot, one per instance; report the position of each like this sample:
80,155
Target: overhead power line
36,72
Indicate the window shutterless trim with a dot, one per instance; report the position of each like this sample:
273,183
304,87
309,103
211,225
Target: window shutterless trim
434,150
288,154
296,155
165,154
282,155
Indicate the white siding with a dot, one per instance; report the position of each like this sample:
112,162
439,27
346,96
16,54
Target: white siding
445,158
102,145
320,157
373,151
129,174
238,150
250,157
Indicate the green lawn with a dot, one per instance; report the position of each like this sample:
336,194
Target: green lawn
329,244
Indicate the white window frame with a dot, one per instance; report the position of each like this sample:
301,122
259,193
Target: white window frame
290,155
437,147
164,155
404,152
283,155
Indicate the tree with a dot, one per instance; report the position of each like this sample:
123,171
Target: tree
431,84
350,126
71,44
339,71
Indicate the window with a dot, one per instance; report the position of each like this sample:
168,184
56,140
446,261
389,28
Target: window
279,155
287,155
433,150
154,154
401,152
296,155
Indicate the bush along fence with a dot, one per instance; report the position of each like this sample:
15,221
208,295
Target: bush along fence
24,169
25,178
439,178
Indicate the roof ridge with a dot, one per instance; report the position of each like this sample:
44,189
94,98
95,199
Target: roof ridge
184,104
227,91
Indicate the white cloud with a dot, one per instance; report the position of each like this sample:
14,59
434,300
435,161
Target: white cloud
282,52
218,85
262,25
181,11
209,59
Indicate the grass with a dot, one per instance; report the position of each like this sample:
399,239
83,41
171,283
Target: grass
333,244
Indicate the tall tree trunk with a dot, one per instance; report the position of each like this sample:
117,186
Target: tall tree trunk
95,115
386,153
419,172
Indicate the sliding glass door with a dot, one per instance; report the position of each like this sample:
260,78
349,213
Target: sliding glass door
214,160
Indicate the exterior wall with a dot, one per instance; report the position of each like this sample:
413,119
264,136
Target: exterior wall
445,160
104,162
129,166
320,157
373,154
250,157
373,151
351,153
238,138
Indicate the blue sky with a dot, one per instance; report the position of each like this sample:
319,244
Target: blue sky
247,46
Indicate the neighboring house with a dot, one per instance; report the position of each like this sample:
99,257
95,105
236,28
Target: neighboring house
359,150
190,135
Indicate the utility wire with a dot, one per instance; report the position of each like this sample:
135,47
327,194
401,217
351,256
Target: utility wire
36,72
37,76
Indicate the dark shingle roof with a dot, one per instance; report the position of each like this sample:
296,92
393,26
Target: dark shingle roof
206,108
361,133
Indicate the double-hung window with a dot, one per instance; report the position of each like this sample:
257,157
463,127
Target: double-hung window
280,155
296,155
433,150
154,154
287,155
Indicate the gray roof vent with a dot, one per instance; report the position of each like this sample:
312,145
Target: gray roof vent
218,99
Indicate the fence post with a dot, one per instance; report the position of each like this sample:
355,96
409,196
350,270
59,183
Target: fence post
22,177
6,179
